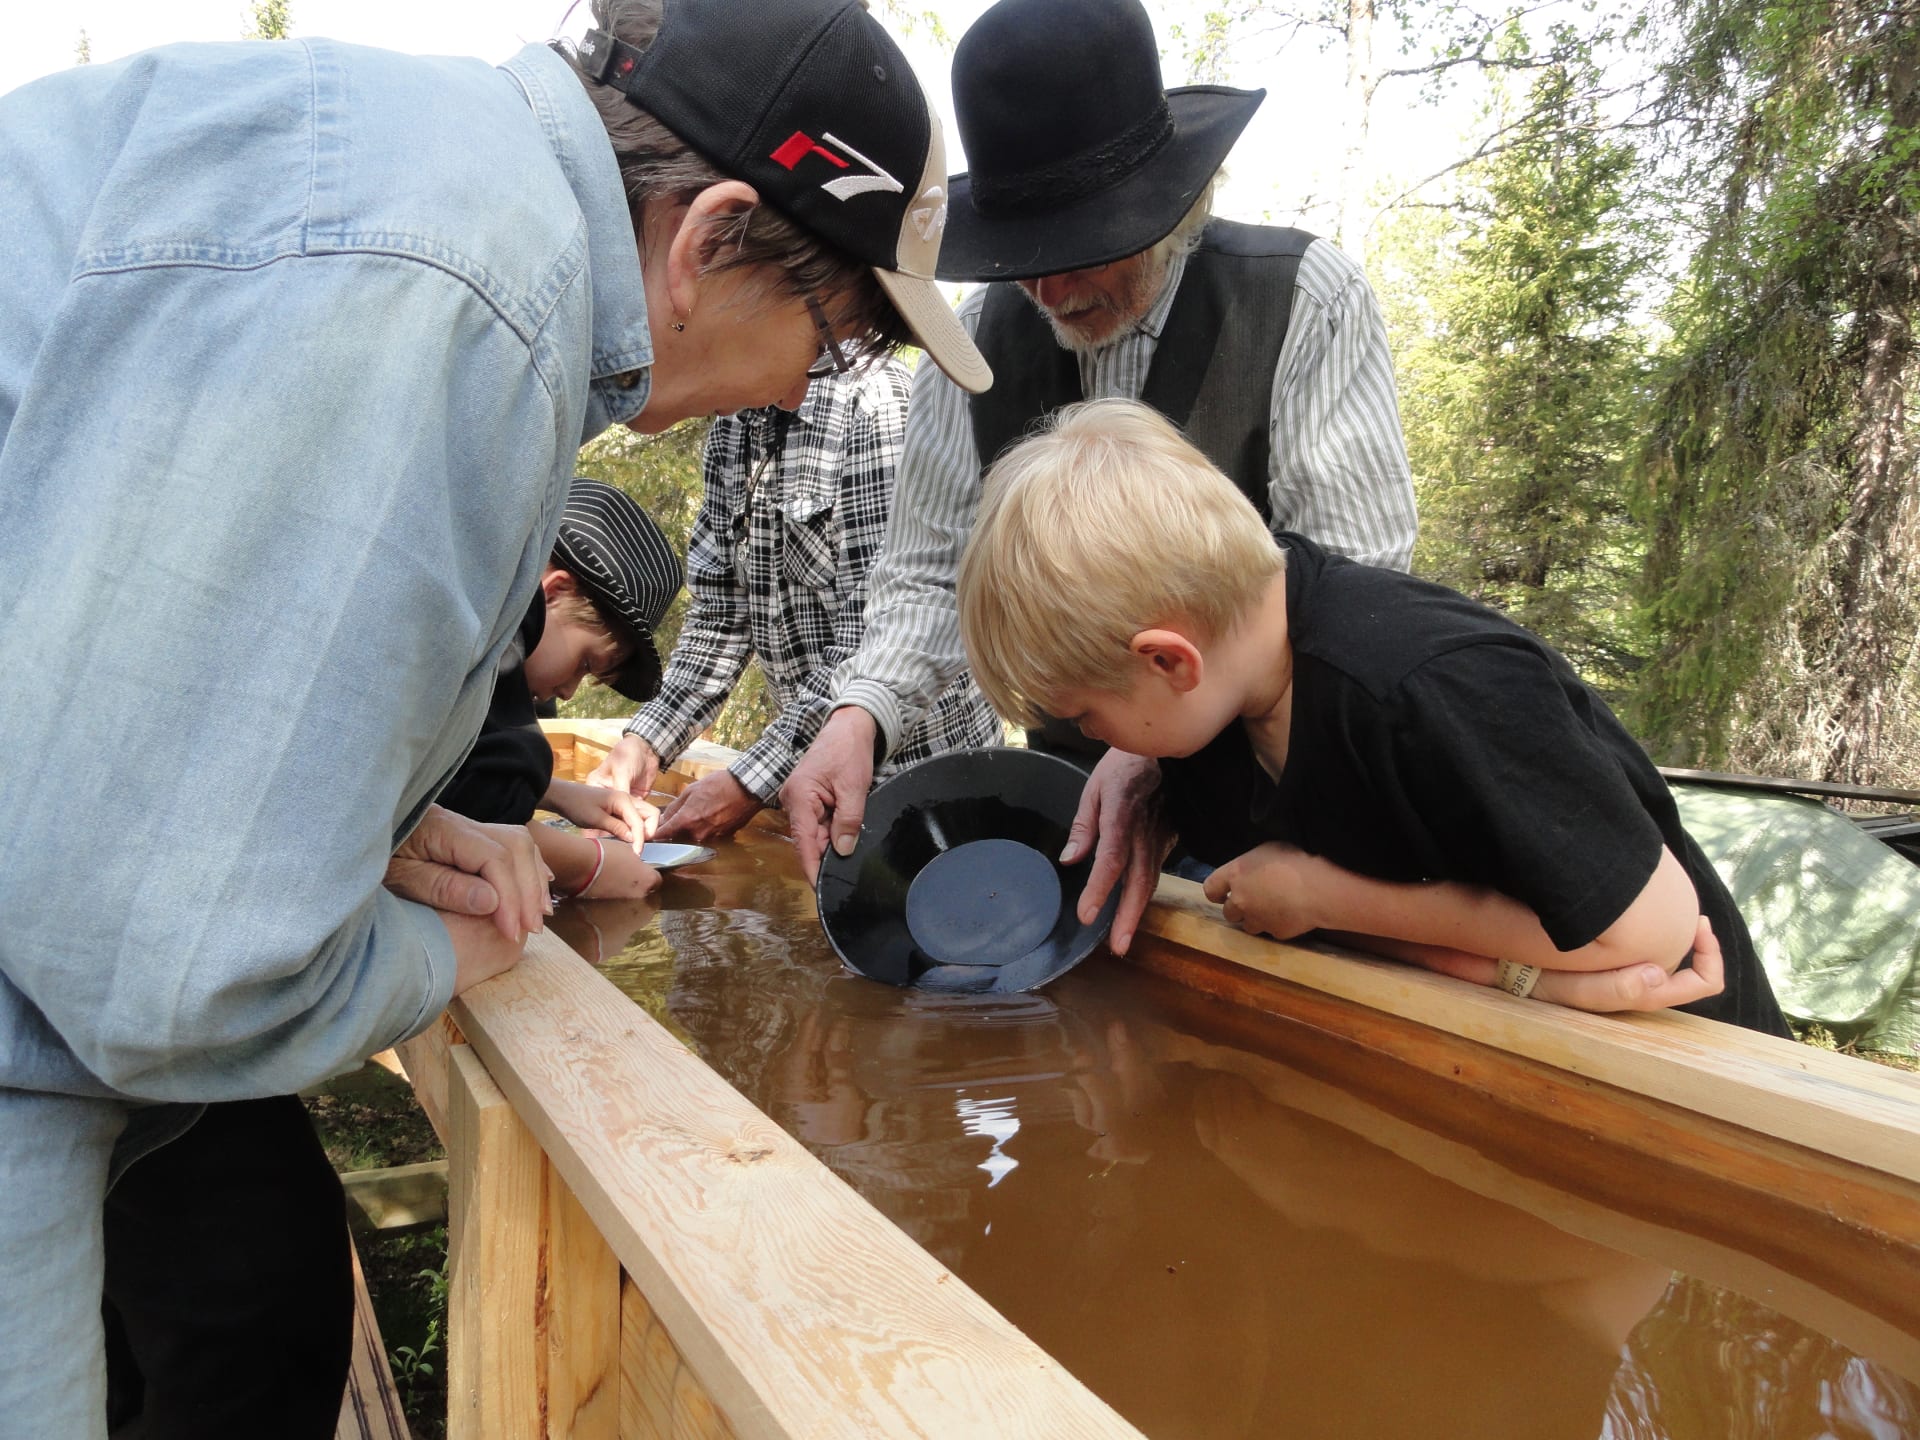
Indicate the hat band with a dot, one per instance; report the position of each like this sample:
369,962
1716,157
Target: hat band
1077,176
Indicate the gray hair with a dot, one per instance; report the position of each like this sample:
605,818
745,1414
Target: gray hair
657,166
1182,239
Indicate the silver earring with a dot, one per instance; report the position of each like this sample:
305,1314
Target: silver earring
679,324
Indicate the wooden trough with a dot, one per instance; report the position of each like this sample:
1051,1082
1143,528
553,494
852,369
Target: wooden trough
637,1251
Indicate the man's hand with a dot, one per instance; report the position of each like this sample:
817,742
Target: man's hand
618,813
1267,891
462,867
711,808
480,952
630,767
826,795
1119,819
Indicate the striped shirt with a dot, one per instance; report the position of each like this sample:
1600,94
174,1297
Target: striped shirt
1339,474
791,521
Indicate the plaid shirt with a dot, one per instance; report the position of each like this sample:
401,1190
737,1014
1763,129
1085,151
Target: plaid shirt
793,517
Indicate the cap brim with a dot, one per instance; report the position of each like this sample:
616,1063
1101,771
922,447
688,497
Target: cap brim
937,328
1110,224
639,678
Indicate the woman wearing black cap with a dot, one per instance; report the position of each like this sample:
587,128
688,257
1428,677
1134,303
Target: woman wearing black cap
297,345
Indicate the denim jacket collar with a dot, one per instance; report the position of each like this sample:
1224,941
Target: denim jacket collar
622,343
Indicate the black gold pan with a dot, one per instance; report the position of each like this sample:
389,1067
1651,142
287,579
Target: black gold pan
955,885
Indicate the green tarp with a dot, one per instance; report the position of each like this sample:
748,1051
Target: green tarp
1834,913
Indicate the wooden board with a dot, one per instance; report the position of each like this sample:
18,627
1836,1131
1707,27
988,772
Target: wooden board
423,1060
1830,1243
796,1305
1835,1105
371,1408
493,1261
1833,789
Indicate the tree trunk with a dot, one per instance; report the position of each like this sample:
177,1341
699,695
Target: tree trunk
1876,582
1356,175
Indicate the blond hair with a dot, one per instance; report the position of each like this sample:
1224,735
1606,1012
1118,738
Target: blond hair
1105,523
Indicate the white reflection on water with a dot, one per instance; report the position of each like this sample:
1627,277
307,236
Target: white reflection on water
990,1117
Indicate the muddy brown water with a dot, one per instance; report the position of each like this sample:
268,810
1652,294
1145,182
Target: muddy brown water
1201,1231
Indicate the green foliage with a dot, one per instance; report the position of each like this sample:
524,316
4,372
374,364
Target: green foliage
272,20
1777,483
1518,394
662,474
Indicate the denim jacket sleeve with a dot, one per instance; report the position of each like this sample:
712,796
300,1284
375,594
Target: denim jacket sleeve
254,575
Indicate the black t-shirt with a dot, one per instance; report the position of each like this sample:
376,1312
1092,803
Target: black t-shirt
1434,739
507,772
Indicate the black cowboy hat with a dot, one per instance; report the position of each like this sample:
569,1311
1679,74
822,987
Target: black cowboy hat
1079,155
954,885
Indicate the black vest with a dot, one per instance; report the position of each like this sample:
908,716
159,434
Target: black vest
1212,374
1212,371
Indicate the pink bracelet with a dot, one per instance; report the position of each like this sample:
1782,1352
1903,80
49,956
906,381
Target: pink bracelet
599,862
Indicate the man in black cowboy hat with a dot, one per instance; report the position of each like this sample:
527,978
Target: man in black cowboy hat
1090,189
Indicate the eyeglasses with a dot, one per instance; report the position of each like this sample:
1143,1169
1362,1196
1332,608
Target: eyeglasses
832,359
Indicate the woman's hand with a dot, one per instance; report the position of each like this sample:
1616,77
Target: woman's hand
1268,891
462,867
614,812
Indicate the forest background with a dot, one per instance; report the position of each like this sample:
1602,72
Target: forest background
1650,274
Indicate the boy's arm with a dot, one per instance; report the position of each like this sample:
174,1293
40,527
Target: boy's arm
1632,987
586,868
1282,891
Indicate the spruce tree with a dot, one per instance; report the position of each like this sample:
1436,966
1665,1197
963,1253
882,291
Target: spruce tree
1778,481
1518,402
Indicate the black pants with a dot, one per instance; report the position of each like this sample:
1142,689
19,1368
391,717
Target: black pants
229,1290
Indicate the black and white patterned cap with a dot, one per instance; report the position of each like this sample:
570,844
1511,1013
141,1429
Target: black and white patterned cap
627,569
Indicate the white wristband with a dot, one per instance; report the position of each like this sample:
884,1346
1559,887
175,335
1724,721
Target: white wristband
1517,980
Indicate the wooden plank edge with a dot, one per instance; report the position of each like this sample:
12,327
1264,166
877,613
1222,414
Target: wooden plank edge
396,1196
1833,1104
969,1369
1836,1105
370,1408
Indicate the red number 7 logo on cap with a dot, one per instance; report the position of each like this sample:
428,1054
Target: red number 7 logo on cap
797,146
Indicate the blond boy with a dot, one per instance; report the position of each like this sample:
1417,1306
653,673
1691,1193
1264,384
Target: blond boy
1362,753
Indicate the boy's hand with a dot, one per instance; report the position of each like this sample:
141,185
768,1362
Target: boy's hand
623,876
1640,987
1119,818
630,768
462,867
711,808
1267,891
618,813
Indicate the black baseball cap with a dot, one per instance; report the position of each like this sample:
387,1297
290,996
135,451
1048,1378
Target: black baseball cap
811,103
627,568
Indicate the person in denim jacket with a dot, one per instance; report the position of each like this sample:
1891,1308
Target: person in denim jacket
297,344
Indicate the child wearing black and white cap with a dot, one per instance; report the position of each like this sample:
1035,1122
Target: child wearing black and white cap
610,580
